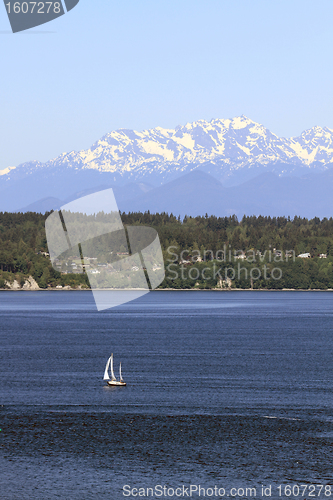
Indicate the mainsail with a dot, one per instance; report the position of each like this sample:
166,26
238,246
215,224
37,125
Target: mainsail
106,373
121,378
112,373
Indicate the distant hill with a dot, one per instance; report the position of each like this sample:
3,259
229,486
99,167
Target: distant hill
198,193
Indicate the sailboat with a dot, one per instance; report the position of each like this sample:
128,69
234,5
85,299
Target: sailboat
112,380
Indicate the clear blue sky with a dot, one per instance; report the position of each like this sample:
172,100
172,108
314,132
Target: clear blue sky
130,64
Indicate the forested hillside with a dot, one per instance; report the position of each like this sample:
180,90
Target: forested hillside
200,252
22,248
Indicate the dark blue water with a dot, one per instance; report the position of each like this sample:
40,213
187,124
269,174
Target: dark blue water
225,389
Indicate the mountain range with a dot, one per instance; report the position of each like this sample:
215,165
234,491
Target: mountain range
218,166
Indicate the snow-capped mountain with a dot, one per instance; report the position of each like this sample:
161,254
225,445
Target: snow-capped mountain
237,143
231,150
221,147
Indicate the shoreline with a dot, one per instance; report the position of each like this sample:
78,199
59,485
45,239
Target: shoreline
172,290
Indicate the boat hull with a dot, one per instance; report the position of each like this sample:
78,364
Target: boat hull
116,382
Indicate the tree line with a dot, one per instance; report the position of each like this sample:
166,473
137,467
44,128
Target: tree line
189,246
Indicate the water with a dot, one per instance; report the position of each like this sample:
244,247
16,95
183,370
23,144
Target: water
224,389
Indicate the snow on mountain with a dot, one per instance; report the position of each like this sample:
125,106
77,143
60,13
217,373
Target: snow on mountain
6,170
220,147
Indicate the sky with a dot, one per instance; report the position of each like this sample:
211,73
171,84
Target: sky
110,64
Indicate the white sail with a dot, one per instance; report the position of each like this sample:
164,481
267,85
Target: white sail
112,373
106,373
121,378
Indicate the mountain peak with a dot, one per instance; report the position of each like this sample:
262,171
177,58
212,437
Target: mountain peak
242,121
225,146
